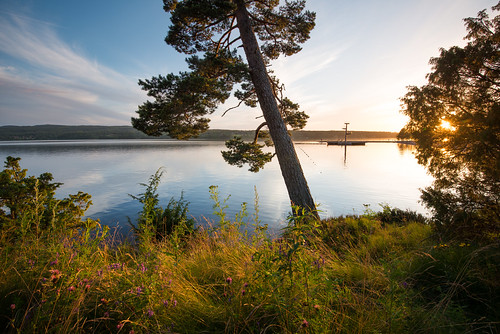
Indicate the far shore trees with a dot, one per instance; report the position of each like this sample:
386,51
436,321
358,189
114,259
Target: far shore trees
211,31
455,121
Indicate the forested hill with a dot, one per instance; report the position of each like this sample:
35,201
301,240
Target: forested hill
66,132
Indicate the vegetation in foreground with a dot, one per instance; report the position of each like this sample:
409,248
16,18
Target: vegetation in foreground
377,273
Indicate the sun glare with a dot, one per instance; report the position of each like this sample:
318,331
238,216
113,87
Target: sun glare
447,125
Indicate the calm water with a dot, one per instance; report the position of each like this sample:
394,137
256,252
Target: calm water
110,170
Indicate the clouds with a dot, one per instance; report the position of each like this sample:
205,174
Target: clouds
67,63
45,80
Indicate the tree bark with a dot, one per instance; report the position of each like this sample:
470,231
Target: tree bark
298,190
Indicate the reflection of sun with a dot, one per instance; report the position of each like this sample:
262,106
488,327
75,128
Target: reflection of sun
446,125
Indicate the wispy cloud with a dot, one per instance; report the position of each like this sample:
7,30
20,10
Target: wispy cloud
42,74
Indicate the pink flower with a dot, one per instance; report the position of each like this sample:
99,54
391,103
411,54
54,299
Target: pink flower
12,306
119,326
229,280
304,323
71,288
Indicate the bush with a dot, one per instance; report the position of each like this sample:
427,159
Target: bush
159,223
28,203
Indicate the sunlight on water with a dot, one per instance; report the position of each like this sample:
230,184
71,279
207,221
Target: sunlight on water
110,170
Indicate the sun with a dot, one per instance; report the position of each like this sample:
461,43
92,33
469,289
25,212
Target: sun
446,125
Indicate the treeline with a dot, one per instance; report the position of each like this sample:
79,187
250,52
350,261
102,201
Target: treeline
68,132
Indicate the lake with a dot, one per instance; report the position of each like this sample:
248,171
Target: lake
342,182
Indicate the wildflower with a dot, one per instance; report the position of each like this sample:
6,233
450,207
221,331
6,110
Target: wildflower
316,307
71,288
165,303
119,326
304,324
245,285
175,302
150,313
138,290
104,301
142,268
87,287
12,306
404,285
131,332
55,275
229,280
243,292
99,273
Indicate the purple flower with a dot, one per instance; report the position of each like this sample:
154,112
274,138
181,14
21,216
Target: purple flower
142,268
175,302
71,288
165,303
150,313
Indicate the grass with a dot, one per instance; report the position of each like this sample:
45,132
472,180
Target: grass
342,275
380,272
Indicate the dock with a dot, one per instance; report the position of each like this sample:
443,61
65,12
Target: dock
343,142
363,143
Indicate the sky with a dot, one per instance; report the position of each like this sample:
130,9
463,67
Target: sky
78,62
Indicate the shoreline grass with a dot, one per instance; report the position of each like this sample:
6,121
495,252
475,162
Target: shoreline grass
382,272
342,275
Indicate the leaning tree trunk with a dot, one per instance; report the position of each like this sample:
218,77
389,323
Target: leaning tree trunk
295,181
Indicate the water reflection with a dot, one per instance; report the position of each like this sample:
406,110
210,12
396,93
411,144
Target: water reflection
340,181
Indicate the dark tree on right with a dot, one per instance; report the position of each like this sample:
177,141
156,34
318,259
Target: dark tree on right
455,121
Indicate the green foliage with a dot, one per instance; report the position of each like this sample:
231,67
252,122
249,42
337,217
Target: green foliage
181,102
241,152
455,120
345,275
390,279
156,222
395,215
458,281
28,203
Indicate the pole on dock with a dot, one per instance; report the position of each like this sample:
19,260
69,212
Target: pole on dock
346,133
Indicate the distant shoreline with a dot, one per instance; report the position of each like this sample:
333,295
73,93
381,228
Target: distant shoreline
75,132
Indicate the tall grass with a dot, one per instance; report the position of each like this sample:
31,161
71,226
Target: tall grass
339,275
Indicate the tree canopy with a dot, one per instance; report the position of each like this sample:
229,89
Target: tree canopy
455,121
210,32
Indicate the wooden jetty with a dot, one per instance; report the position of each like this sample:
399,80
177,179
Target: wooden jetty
363,142
343,142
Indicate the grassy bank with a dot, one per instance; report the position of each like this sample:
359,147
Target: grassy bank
342,275
382,272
